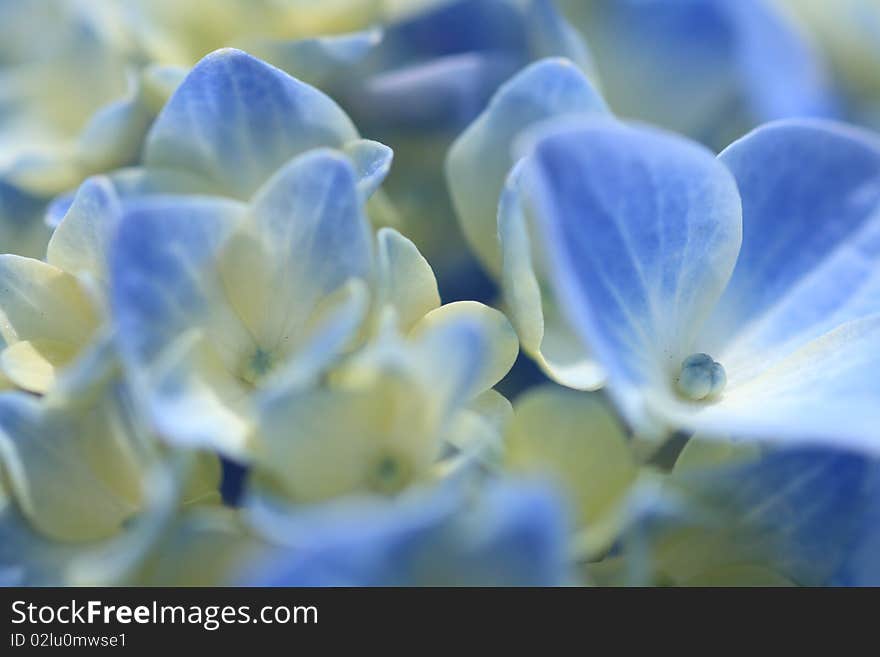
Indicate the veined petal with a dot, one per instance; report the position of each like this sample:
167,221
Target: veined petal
306,235
810,259
160,270
543,331
479,161
642,231
333,331
234,120
799,511
826,392
178,337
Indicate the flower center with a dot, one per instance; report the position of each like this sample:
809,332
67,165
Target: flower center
257,366
701,378
389,474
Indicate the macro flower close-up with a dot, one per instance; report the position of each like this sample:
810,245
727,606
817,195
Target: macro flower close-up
436,293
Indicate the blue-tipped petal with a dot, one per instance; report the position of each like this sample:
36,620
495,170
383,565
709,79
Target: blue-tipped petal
177,337
481,158
312,237
234,120
642,230
543,331
162,246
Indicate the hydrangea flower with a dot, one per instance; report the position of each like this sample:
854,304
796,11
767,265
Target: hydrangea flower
763,261
224,358
736,64
392,411
216,298
84,483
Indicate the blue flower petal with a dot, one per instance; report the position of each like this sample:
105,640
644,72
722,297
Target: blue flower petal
736,64
804,510
510,536
306,235
164,297
642,231
811,239
160,249
234,120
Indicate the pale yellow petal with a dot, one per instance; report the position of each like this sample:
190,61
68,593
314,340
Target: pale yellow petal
574,439
406,280
41,302
33,364
501,338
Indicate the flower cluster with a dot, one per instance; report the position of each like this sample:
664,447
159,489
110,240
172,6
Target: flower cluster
226,359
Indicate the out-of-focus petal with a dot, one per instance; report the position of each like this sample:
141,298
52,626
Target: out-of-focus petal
509,535
372,161
74,473
305,236
177,336
500,338
80,242
738,64
572,439
41,302
797,511
33,365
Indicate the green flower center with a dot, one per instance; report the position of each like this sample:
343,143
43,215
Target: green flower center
257,366
389,474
